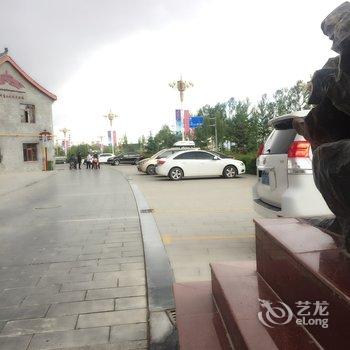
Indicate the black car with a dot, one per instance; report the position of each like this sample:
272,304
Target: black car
125,158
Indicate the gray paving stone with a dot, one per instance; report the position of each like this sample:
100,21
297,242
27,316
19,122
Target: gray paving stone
22,312
123,260
80,307
100,256
131,303
132,244
15,343
72,277
75,338
93,269
39,325
115,274
125,281
115,292
131,253
132,266
137,331
14,296
23,281
89,285
69,265
39,299
112,318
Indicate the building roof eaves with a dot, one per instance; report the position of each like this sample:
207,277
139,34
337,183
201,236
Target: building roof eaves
7,58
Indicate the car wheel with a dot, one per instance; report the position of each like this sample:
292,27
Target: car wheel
116,162
176,174
230,172
151,170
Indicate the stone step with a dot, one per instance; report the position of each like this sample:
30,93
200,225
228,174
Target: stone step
237,289
199,325
301,263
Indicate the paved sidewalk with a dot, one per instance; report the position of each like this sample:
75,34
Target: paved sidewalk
13,181
71,265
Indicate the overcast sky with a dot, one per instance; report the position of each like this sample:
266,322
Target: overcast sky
121,54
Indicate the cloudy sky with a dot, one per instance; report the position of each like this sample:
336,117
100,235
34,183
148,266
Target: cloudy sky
97,55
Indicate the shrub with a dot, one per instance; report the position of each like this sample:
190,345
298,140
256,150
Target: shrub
249,159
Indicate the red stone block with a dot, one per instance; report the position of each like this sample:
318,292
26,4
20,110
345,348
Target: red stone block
303,263
198,323
237,297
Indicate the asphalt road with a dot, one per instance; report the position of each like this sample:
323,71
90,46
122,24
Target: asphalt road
200,220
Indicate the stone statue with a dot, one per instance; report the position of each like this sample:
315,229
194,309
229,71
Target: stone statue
327,126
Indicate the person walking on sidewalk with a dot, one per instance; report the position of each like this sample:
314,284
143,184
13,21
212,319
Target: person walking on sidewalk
89,161
95,162
79,159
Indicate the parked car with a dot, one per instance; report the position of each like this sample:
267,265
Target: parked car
198,163
60,160
103,157
125,158
148,165
285,185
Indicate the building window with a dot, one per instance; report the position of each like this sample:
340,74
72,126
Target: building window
27,113
30,152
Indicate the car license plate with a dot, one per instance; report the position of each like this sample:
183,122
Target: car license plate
265,178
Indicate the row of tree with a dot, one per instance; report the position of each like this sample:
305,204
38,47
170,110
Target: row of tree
240,125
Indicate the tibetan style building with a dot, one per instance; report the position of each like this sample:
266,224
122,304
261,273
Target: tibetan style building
25,120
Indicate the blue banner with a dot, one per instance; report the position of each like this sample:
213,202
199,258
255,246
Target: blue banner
178,120
196,121
109,134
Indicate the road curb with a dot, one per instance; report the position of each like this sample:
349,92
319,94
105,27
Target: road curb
160,278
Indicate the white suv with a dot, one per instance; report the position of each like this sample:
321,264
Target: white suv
285,185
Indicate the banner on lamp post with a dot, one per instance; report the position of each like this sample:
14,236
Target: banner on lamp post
187,122
109,135
178,120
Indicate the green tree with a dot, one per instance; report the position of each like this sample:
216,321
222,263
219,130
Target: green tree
165,138
151,146
83,149
59,151
205,134
241,128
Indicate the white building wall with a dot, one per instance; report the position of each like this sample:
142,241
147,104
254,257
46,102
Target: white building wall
13,133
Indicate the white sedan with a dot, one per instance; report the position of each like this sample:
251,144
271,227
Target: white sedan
193,163
103,157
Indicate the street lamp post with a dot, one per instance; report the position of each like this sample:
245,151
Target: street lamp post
101,145
181,86
111,116
216,131
65,131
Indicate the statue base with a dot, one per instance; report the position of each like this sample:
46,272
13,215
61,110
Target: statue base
298,265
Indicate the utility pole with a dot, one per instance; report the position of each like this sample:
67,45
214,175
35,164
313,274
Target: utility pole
101,145
216,131
181,86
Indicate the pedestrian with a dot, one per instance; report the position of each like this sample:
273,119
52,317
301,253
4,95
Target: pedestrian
79,160
89,161
95,162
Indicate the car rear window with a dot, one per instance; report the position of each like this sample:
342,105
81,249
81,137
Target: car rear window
280,139
165,154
